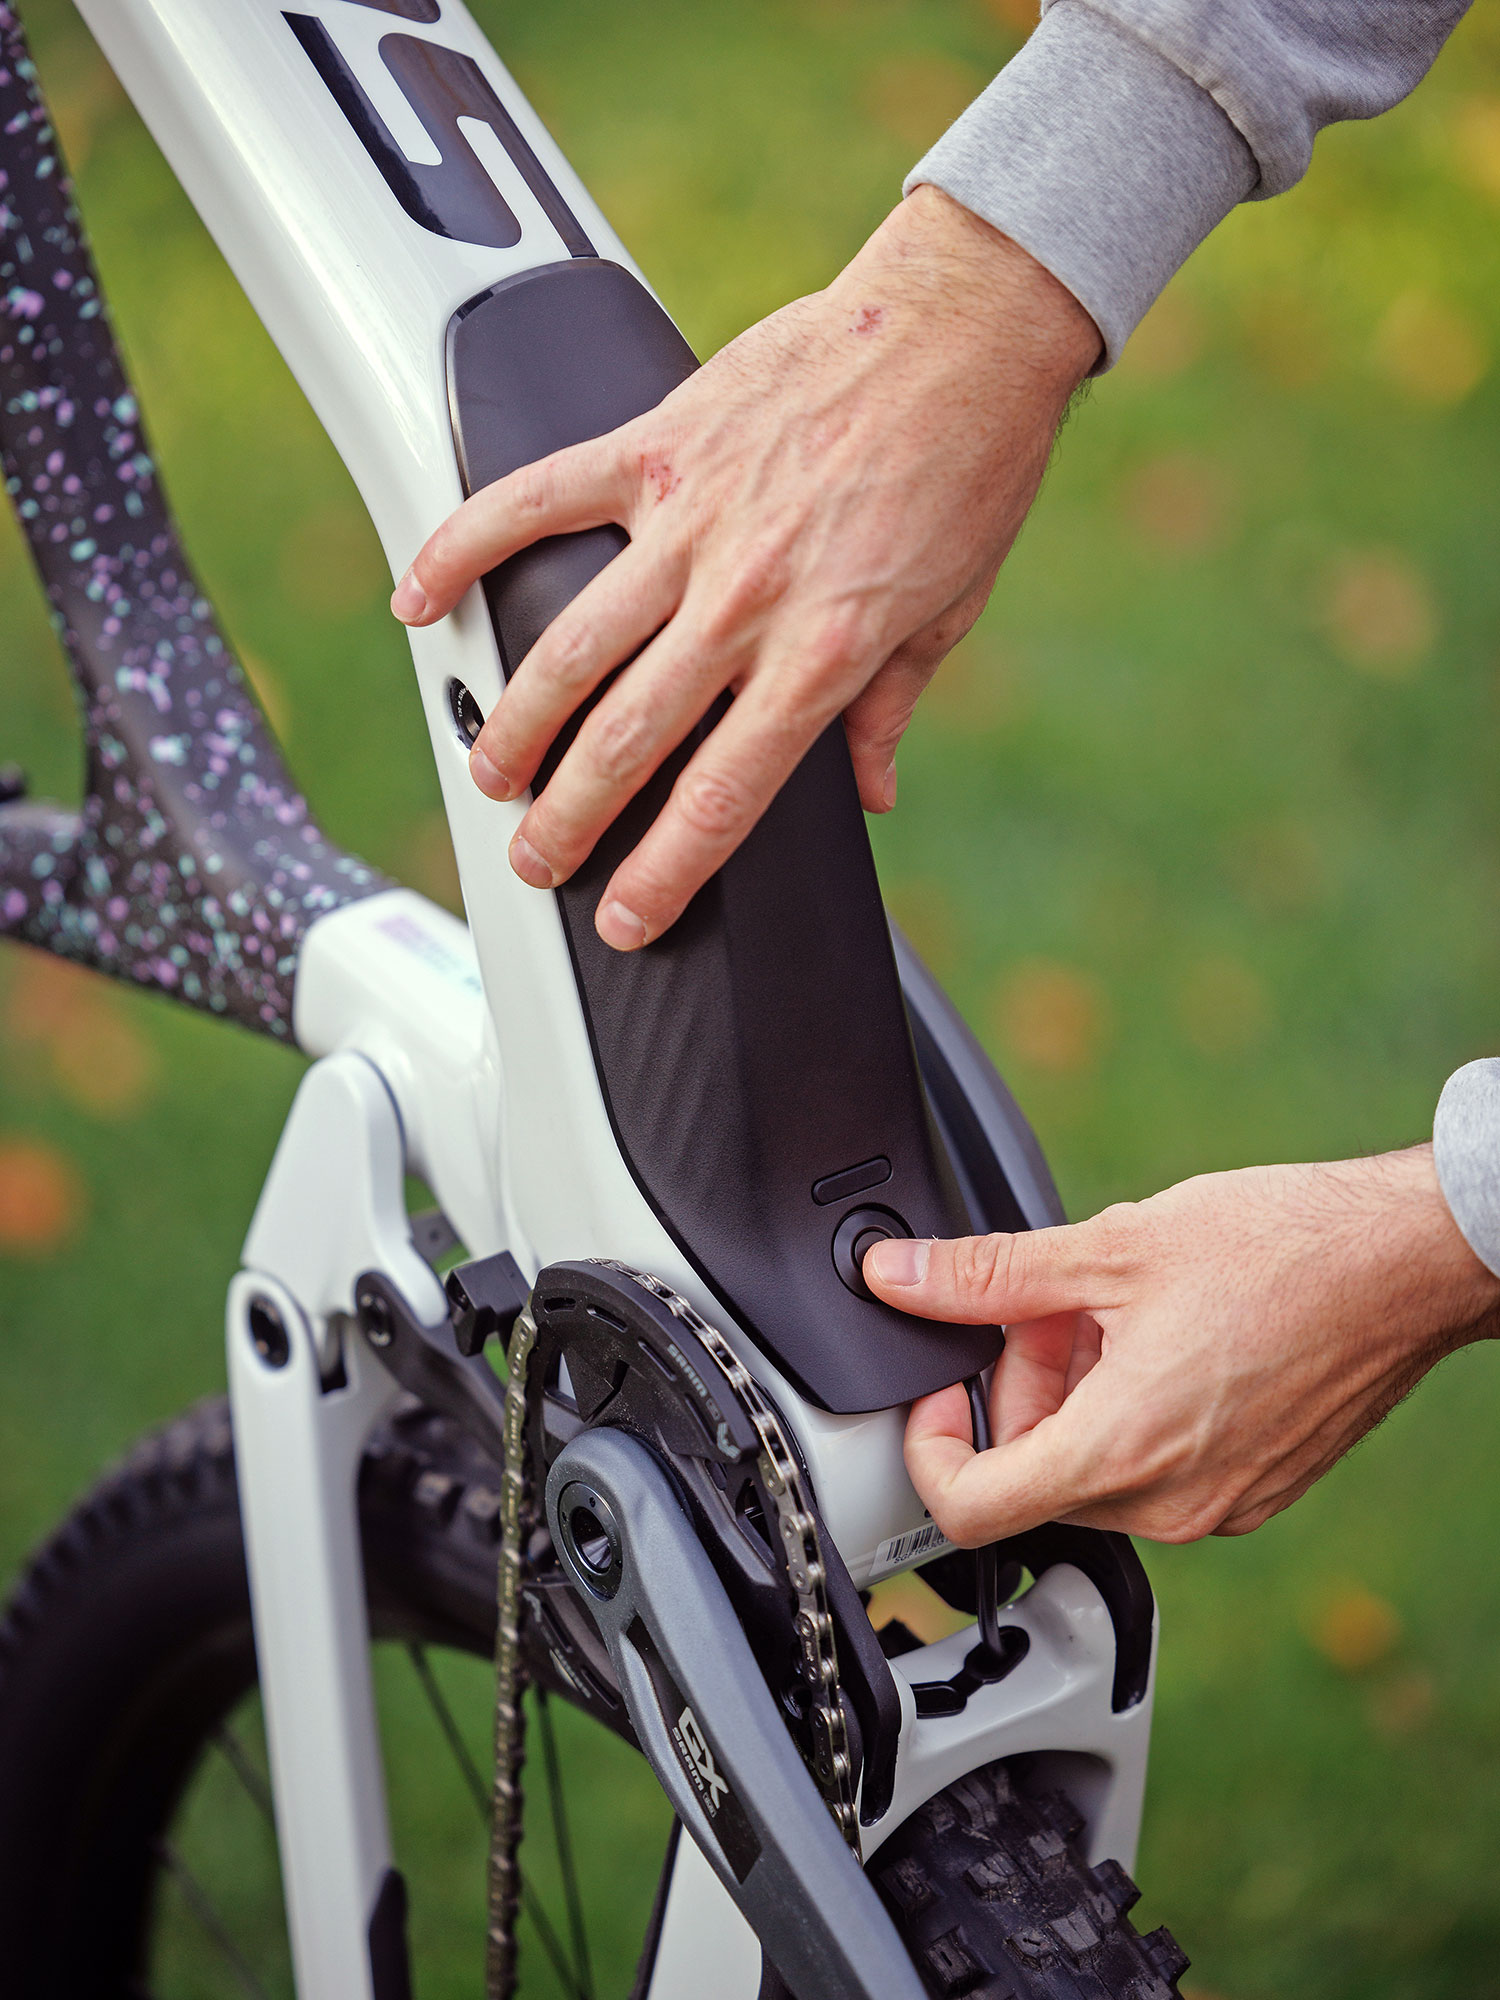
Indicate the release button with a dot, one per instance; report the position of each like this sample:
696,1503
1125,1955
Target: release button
858,1233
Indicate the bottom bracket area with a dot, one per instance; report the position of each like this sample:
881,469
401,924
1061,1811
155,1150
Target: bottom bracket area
592,1546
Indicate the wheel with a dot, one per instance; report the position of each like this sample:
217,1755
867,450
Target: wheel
994,1901
136,1853
137,1859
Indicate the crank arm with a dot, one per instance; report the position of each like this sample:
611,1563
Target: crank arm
710,1727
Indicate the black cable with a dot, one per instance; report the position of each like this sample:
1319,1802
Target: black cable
986,1560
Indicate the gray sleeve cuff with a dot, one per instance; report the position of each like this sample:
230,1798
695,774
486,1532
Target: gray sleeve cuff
1466,1154
1099,157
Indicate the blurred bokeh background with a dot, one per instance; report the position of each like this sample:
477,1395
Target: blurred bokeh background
1200,825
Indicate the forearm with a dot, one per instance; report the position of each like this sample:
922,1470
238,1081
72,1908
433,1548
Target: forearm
1126,130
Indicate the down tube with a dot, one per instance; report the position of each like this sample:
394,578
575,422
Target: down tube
333,241
287,130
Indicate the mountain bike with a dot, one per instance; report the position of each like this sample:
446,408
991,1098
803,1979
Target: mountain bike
616,1409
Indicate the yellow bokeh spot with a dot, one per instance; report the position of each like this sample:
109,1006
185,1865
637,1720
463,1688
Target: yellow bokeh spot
1378,612
1475,128
908,1601
99,1059
41,1199
1353,1628
1432,350
1180,504
1017,17
1051,1016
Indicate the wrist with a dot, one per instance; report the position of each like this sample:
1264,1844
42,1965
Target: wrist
1101,156
933,262
1454,1297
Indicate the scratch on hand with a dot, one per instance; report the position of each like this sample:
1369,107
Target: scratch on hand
657,473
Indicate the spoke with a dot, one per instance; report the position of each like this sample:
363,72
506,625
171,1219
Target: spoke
564,1846
438,1702
530,1902
234,1755
196,1898
551,1942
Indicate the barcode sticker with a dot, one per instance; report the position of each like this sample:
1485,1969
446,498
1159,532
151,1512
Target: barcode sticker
903,1549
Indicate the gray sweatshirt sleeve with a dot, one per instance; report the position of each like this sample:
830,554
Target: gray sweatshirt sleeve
1126,130
1466,1154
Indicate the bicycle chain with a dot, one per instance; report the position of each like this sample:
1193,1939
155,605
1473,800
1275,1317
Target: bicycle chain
832,1766
503,1896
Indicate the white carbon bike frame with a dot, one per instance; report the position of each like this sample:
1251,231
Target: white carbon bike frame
461,1053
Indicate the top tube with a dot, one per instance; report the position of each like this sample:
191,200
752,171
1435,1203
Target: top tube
194,865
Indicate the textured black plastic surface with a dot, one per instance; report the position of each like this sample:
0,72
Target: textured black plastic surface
761,1046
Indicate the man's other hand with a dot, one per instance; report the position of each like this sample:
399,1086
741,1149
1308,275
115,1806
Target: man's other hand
1188,1365
815,518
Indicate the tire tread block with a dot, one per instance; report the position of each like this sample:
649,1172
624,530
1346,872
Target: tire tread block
995,1901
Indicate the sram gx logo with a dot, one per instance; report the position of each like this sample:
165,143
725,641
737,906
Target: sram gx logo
457,197
700,1760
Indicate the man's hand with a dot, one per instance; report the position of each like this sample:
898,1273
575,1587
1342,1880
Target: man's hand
816,517
1188,1365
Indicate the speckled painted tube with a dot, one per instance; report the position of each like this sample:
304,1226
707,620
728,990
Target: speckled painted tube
194,865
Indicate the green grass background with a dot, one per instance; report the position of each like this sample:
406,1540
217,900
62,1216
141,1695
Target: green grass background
1200,826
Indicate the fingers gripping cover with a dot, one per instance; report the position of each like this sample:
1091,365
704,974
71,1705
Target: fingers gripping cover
757,1055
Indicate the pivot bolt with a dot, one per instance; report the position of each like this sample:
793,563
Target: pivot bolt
268,1334
376,1318
468,716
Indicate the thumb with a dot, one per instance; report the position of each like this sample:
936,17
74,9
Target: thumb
991,1280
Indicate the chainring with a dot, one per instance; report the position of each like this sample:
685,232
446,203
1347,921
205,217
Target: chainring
616,1348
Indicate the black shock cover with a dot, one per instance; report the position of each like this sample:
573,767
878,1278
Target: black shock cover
756,1061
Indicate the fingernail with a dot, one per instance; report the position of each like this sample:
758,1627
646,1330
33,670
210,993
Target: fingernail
529,865
620,927
490,779
900,1260
888,787
408,599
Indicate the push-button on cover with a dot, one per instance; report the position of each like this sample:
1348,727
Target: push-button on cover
858,1233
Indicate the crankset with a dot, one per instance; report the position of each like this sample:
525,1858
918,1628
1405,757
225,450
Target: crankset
706,1719
617,1350
680,1533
